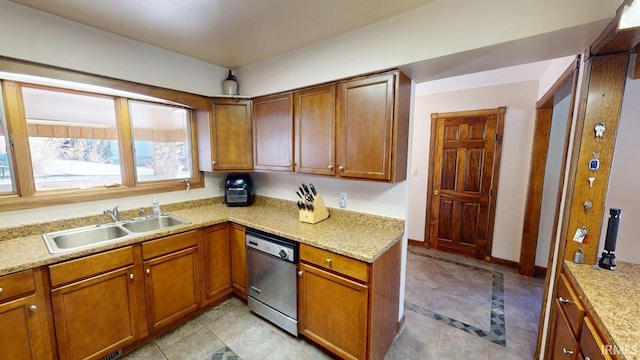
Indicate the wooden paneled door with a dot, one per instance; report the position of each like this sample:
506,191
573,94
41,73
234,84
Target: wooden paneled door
465,160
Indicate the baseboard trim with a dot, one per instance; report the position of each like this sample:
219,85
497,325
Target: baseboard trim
540,271
417,243
400,324
505,262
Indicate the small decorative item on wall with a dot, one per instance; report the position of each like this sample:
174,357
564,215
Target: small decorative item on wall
230,85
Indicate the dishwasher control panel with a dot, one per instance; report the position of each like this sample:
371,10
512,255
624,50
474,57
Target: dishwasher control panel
273,246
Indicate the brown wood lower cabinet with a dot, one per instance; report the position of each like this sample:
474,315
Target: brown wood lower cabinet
347,306
216,255
171,278
21,336
94,304
333,312
564,345
238,261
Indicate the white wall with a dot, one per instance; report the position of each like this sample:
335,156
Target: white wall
363,196
520,100
624,192
433,31
552,175
32,35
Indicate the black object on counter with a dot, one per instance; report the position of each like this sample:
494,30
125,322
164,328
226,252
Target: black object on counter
238,190
608,259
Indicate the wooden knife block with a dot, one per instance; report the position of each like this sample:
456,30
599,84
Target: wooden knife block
318,214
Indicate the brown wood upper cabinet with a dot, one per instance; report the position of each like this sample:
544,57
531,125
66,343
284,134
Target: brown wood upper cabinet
315,128
224,136
373,127
273,132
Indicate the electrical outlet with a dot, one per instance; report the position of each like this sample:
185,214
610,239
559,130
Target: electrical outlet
343,200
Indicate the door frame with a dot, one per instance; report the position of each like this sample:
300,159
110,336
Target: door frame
500,113
542,132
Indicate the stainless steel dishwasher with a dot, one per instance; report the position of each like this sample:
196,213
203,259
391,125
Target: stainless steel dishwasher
272,266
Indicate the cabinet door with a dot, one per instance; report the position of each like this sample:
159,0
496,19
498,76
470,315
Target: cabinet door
20,336
591,345
96,316
238,261
365,114
273,133
217,262
564,344
333,312
315,126
171,283
224,136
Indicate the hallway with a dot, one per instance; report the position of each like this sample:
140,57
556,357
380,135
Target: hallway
462,308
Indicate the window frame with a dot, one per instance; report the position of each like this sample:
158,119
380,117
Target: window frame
27,197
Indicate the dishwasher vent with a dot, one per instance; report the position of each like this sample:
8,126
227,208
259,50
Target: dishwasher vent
114,355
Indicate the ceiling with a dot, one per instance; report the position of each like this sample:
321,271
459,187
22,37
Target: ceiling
227,33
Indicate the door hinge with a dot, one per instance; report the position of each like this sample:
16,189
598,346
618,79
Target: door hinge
11,141
490,192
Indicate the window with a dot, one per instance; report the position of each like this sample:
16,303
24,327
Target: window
74,142
6,177
161,141
72,139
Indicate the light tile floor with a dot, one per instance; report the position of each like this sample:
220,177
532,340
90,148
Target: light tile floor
455,308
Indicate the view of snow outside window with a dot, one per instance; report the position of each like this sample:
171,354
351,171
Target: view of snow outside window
6,183
161,141
70,139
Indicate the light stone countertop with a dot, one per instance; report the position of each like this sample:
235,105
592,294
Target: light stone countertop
356,235
613,299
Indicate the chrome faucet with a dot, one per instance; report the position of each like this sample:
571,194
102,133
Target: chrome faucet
114,214
143,214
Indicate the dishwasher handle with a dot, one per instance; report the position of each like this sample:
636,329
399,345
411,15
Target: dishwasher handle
256,290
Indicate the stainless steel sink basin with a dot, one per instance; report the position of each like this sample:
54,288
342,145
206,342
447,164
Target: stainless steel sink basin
87,236
81,237
153,223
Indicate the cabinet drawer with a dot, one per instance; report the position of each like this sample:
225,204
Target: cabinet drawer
591,344
570,305
87,266
169,244
16,284
332,261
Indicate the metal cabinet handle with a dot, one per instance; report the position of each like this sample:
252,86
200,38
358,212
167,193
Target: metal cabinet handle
131,276
563,300
300,272
328,261
1,290
566,352
148,271
330,167
436,192
341,168
33,308
213,163
587,358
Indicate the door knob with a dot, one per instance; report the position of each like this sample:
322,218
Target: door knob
33,308
148,271
330,167
213,163
341,168
436,192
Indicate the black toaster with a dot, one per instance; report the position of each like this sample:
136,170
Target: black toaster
238,190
